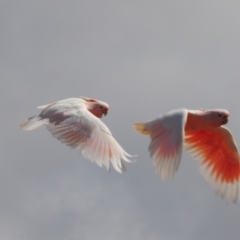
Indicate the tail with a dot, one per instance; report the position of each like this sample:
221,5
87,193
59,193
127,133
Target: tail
141,127
31,123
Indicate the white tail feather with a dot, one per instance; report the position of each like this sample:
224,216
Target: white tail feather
31,123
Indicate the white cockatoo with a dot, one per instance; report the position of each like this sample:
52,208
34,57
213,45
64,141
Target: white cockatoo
76,122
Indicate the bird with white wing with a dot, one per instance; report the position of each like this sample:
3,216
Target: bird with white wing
76,122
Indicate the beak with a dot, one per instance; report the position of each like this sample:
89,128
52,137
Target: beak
225,120
105,112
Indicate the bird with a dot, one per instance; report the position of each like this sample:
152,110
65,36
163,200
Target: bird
76,123
202,134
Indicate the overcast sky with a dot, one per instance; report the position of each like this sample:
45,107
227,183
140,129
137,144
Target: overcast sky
141,57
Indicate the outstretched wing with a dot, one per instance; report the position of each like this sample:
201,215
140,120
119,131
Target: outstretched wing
167,135
79,128
219,159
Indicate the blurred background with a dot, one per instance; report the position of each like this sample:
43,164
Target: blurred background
141,57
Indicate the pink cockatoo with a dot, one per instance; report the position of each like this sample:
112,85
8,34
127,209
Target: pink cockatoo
75,122
202,134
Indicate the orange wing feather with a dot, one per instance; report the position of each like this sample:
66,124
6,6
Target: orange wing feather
219,159
217,150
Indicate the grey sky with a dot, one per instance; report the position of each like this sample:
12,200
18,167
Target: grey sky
141,57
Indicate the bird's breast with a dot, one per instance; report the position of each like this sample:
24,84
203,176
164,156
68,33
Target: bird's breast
195,121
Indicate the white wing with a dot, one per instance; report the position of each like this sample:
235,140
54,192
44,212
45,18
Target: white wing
80,128
167,136
52,112
69,121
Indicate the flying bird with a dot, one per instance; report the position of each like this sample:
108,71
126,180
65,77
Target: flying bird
201,133
76,122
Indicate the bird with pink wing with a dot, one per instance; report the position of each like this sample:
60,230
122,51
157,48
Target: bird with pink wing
200,132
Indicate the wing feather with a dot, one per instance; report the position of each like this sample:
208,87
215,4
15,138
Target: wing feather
83,130
219,159
167,135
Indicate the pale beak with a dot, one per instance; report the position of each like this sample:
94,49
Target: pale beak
105,112
225,120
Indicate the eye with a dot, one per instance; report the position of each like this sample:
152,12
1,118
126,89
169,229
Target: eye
219,114
101,107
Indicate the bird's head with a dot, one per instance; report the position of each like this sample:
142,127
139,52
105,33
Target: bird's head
218,117
96,107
